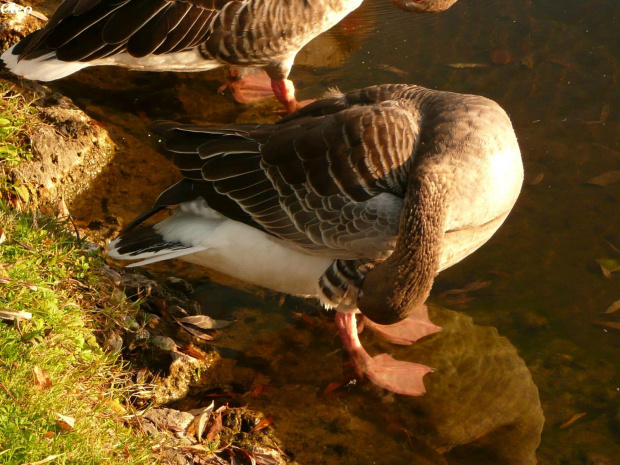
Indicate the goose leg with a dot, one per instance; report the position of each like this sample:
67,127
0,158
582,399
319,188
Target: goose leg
382,370
284,91
407,331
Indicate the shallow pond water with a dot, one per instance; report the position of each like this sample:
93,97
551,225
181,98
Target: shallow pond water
540,293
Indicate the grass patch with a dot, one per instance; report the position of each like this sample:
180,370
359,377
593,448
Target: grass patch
44,271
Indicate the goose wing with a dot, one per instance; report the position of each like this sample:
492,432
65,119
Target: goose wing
331,184
85,30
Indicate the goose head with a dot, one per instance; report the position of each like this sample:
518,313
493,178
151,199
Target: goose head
395,288
424,6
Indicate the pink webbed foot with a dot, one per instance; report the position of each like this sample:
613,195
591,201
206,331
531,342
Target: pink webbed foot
384,371
407,331
248,87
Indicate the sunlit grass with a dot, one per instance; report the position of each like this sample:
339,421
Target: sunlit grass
44,271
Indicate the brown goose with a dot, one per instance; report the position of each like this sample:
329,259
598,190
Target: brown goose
184,35
357,199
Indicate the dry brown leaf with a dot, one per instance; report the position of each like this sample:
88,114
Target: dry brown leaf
45,460
605,179
192,351
608,324
572,420
264,423
476,285
215,428
537,179
205,322
65,422
613,308
605,111
41,380
49,435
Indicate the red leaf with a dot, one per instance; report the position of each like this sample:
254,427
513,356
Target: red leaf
264,423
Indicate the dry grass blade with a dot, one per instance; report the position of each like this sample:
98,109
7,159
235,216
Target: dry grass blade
613,307
572,420
30,286
6,314
41,380
467,65
605,179
45,460
205,322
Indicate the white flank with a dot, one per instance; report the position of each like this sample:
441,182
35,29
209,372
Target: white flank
235,249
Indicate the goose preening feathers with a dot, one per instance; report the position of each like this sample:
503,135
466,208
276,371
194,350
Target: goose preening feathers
184,35
358,199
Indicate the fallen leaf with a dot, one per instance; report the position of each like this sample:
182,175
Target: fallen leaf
572,420
501,56
215,428
528,61
192,351
195,332
331,387
7,314
200,422
49,435
63,211
467,65
205,322
258,390
476,285
2,236
537,179
605,111
264,423
41,380
608,324
45,460
65,422
605,179
613,307
608,266
37,14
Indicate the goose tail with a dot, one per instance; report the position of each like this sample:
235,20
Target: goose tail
43,67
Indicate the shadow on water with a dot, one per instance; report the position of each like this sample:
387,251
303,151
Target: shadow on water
554,66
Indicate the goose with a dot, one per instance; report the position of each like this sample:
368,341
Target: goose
185,35
357,199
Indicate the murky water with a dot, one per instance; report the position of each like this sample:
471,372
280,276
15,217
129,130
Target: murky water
554,66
